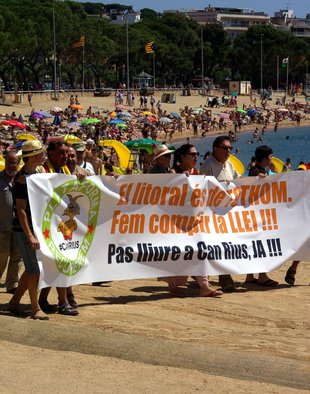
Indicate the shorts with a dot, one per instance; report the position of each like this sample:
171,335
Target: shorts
29,255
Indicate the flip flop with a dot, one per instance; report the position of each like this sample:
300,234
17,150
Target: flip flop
268,283
214,293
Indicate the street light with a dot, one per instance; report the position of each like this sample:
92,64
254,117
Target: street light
54,40
202,63
127,55
261,61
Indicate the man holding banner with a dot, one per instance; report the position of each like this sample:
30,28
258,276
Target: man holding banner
222,169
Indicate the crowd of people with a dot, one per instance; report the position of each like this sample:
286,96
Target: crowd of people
50,153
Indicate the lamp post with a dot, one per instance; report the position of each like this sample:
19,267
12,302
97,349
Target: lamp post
261,61
127,51
54,41
202,63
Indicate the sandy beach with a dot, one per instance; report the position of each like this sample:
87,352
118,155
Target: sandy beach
132,337
44,102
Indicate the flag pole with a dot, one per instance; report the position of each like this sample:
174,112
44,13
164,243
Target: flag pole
83,68
127,56
277,73
154,77
288,62
54,42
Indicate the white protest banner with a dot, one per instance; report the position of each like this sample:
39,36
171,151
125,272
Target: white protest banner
142,226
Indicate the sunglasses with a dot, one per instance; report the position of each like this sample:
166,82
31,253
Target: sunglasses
194,154
225,147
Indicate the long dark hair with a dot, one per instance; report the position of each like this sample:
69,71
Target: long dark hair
181,151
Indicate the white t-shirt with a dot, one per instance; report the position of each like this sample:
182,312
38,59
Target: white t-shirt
221,171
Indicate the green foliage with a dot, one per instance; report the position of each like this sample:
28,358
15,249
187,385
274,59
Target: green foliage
26,51
147,13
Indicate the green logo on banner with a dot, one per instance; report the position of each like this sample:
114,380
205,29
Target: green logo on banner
67,236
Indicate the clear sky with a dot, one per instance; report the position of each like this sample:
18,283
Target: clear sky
300,7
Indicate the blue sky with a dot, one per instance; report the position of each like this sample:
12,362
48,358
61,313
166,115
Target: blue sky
300,7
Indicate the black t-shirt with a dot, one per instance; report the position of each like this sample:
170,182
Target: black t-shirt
20,192
256,170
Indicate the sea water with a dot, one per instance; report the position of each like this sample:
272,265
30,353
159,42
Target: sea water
292,142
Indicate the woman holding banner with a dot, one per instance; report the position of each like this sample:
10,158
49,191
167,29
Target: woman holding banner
185,162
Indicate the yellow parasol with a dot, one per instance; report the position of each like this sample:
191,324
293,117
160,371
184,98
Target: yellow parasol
26,137
238,165
72,139
278,164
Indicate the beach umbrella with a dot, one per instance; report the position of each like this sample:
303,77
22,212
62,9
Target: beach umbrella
224,115
278,164
144,143
45,114
26,137
74,124
122,126
20,118
238,165
90,121
72,139
37,115
124,114
152,119
241,111
56,109
116,121
175,115
165,120
76,106
148,113
113,113
13,123
198,109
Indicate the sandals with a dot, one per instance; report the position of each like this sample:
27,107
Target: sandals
47,307
268,283
72,301
67,309
214,293
39,315
290,277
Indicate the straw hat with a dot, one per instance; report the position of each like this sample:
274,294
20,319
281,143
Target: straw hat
31,148
160,150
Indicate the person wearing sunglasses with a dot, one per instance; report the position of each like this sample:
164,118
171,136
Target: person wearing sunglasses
185,160
218,165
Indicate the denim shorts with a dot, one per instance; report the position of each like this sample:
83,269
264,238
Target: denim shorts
28,254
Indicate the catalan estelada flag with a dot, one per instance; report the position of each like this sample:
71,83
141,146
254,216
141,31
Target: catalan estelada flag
150,47
79,43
